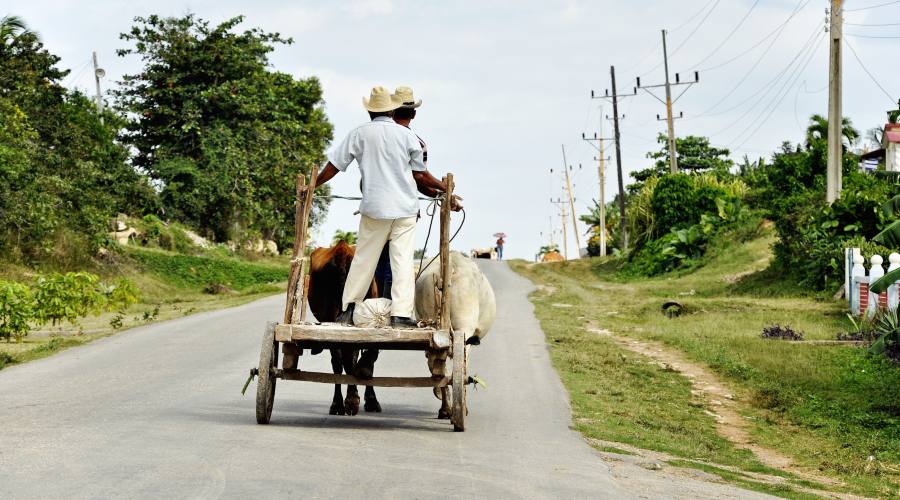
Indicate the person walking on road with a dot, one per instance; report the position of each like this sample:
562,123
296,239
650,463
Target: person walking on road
390,160
500,243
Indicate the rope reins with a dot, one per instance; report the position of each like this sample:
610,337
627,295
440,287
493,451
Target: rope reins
430,211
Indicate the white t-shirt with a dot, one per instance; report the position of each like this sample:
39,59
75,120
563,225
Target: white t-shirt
387,155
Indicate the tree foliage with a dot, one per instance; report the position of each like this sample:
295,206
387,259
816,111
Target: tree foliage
62,174
223,134
695,154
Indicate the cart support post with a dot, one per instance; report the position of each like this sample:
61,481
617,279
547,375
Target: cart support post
445,251
296,296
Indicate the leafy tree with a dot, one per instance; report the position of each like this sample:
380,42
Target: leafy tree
346,236
62,174
223,134
11,27
695,154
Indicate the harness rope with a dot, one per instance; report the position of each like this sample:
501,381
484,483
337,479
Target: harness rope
434,204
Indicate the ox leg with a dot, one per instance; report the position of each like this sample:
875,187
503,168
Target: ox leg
372,403
351,403
365,368
337,403
444,412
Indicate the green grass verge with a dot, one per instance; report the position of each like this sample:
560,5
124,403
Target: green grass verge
830,408
171,285
196,271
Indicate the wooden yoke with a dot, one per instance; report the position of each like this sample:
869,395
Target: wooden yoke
444,323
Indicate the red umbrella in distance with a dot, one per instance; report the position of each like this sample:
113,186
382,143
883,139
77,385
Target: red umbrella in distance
499,235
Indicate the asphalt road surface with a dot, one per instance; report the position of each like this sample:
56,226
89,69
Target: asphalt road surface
157,412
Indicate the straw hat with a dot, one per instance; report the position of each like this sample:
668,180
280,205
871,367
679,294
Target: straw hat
405,95
381,100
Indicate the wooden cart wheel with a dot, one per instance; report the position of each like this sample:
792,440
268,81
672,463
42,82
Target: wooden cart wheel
265,386
460,376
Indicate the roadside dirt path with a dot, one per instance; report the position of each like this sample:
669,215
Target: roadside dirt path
721,404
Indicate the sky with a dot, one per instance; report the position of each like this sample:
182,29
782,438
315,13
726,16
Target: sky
505,84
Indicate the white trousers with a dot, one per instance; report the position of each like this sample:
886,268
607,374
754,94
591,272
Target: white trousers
370,240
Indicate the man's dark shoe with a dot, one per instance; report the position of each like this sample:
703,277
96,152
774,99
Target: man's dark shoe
346,317
403,323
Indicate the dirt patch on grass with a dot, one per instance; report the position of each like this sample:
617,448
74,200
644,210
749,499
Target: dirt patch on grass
721,403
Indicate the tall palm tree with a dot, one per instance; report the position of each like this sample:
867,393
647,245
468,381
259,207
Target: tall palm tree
818,131
11,27
347,236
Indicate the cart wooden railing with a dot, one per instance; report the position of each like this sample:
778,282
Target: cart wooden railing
295,333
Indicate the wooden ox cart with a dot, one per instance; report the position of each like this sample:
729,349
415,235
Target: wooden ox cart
295,333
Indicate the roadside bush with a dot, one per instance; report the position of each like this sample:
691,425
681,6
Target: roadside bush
674,203
67,297
16,310
813,235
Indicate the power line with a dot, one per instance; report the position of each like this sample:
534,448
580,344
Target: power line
690,35
872,6
857,35
691,19
863,66
733,31
768,88
870,24
776,102
767,85
800,6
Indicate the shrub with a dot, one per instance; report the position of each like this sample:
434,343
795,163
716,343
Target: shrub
121,295
67,297
674,203
16,310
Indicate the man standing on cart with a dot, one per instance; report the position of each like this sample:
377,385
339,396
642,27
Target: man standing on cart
391,162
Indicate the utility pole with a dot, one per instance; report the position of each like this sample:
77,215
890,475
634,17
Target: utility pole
566,169
673,159
835,118
98,73
563,215
617,137
670,118
601,174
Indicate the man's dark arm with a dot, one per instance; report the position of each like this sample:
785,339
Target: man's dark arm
326,175
424,180
429,185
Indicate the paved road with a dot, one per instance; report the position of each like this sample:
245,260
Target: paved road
157,412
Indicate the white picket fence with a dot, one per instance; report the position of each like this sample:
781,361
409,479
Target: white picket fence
857,280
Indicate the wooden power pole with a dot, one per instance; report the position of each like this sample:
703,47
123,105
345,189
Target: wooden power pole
563,215
623,221
835,118
668,102
571,204
601,174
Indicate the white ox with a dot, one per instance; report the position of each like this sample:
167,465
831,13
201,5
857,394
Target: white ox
472,309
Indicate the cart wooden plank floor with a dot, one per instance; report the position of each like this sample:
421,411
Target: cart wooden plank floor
294,334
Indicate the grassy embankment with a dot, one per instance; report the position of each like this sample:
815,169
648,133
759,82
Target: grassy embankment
830,408
171,285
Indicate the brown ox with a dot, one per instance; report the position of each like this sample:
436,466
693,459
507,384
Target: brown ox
327,274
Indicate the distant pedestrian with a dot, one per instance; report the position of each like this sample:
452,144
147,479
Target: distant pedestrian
500,242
